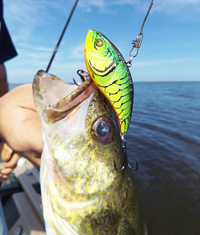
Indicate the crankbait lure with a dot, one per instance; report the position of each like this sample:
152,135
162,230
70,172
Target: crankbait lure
109,71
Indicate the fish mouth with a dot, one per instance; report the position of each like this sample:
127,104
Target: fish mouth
69,96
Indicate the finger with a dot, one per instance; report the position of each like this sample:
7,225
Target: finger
6,171
6,152
13,161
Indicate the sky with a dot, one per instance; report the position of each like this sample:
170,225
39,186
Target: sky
170,49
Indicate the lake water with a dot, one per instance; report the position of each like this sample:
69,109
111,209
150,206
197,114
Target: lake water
164,137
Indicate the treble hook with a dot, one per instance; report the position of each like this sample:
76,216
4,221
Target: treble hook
82,75
125,158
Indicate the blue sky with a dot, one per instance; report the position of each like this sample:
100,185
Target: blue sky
169,52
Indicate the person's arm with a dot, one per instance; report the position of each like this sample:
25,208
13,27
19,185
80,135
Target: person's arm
3,80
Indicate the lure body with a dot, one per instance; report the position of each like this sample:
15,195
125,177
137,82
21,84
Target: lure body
108,69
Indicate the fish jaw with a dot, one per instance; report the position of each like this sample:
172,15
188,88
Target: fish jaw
55,99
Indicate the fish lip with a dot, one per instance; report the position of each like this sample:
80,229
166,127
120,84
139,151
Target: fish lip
54,113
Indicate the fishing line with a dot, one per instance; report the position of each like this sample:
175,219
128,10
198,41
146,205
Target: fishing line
62,34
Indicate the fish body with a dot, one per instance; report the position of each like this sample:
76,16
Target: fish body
82,193
108,69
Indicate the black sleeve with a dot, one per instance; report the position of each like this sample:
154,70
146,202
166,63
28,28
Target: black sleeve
7,49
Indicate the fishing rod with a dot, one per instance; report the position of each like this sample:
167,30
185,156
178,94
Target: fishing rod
62,34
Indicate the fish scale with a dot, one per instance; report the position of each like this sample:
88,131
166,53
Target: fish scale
109,71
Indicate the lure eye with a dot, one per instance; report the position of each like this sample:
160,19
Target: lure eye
103,130
99,42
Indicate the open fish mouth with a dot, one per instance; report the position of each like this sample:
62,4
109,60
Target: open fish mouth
67,99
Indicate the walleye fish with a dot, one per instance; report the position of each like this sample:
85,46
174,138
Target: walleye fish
108,69
82,193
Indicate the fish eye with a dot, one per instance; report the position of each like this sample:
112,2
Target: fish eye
103,130
99,42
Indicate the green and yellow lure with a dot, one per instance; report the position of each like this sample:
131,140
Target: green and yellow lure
109,71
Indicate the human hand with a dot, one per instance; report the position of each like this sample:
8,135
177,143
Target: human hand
19,124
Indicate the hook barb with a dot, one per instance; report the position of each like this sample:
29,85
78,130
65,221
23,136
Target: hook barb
75,82
136,168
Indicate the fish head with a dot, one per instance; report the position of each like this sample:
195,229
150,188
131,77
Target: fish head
82,135
100,54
